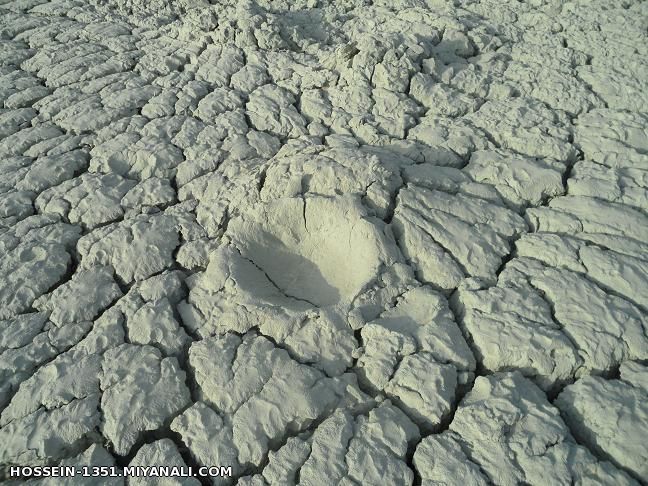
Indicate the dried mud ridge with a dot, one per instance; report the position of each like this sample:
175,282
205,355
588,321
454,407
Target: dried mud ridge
326,242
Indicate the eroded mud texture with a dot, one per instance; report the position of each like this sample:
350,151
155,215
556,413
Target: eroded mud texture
345,242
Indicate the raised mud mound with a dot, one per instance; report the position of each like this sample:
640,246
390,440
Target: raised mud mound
325,242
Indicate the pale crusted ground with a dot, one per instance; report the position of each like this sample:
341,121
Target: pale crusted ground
326,242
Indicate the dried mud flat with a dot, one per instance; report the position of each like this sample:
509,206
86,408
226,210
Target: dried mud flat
326,242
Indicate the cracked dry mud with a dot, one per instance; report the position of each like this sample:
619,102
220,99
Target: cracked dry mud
326,241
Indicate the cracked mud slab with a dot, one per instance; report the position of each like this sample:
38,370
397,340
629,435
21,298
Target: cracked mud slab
325,242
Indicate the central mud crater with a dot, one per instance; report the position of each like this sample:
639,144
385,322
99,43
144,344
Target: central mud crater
321,250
